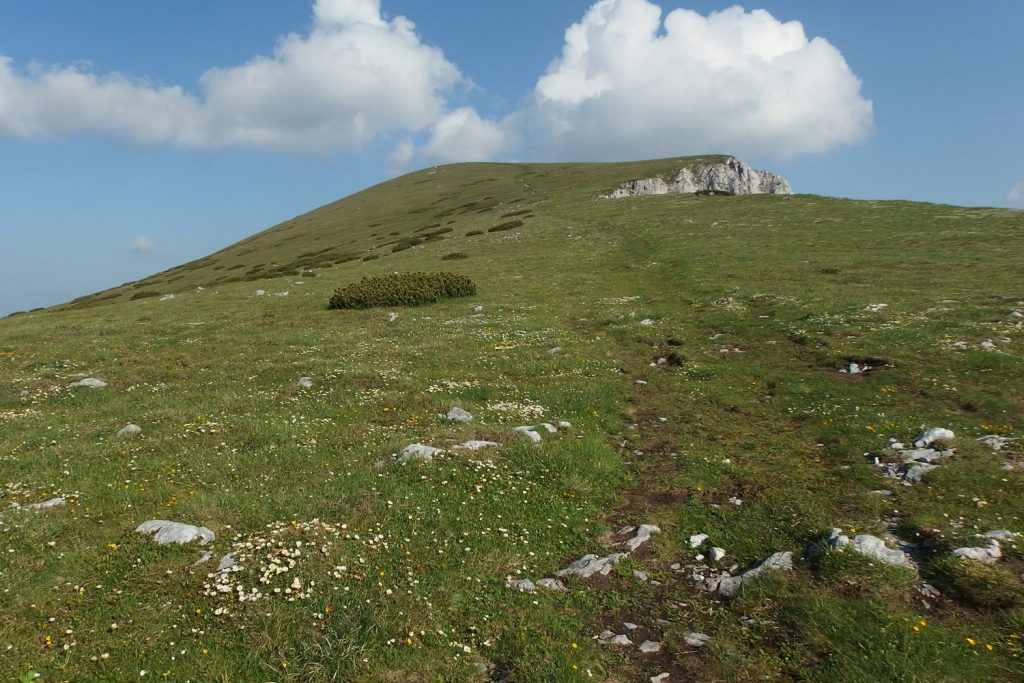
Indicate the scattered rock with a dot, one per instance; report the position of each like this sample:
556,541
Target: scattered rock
166,297
475,445
875,548
522,585
987,555
697,639
697,540
875,308
729,586
205,557
923,454
988,345
642,535
457,414
552,584
564,425
260,292
550,428
530,432
129,429
610,638
281,293
165,531
1000,535
646,322
478,309
591,564
227,562
650,647
51,503
995,442
90,382
717,554
305,382
392,317
915,473
630,626
555,349
640,575
417,452
660,678
930,436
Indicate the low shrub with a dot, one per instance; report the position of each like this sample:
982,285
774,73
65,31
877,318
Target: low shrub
406,244
143,295
454,256
371,257
402,289
474,232
505,226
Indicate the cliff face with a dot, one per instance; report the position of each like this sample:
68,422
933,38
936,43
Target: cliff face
731,176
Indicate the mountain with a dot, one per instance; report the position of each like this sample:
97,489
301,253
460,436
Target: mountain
764,436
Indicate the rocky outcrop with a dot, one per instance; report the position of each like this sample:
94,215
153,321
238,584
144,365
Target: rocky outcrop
730,176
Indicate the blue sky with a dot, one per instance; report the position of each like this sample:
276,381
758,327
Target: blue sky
136,136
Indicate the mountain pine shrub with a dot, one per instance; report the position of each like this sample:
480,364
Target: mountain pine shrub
402,289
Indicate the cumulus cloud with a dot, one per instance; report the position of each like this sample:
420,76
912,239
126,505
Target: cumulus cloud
1016,195
143,245
629,84
354,77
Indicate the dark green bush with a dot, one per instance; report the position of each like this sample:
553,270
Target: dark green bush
371,257
402,289
505,226
406,244
143,295
474,232
454,256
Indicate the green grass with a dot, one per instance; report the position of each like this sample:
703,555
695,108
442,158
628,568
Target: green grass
760,299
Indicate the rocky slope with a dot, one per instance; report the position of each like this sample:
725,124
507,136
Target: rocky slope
731,176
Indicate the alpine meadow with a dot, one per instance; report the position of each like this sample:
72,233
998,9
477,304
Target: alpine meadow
517,422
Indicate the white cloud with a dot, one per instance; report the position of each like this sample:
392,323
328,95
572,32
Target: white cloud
462,135
354,77
631,85
1016,195
143,245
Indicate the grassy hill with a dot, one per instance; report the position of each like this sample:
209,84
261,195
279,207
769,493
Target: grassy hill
694,344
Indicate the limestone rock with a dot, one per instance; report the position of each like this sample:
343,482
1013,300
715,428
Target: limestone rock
90,382
128,430
591,564
457,414
530,432
729,586
930,436
51,503
418,452
660,678
730,176
475,445
552,584
650,647
642,535
305,382
987,555
915,473
165,531
875,548
697,639
522,585
697,540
